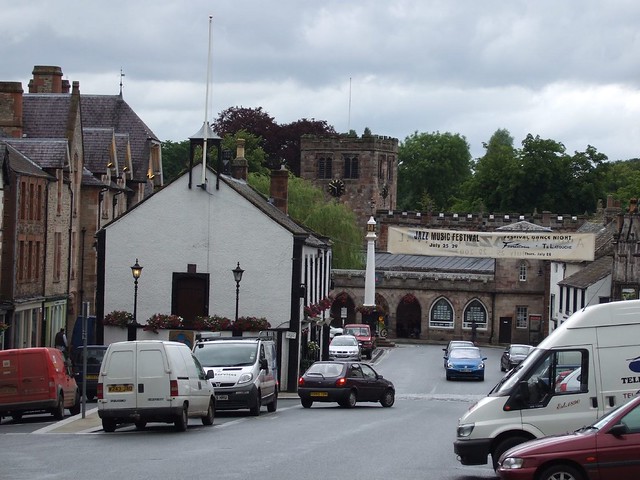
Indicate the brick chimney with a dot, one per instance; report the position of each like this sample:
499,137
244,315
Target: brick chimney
11,108
48,79
279,190
239,165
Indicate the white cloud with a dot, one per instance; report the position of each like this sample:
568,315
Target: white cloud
565,70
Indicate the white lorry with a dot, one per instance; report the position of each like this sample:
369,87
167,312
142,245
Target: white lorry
532,401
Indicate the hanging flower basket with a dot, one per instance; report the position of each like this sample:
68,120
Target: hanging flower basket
368,309
118,318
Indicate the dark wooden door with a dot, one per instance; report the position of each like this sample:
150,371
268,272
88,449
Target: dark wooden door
190,295
505,330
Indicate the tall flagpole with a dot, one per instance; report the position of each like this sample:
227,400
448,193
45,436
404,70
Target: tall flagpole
206,112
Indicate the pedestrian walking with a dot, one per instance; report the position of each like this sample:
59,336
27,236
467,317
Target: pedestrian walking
60,341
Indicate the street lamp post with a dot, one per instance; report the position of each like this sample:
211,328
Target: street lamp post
136,271
237,276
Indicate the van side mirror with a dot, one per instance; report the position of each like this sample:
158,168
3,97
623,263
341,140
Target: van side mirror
210,374
263,364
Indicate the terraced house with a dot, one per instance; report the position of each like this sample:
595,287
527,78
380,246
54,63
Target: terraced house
70,164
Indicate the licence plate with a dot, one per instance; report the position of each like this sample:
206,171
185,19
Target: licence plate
92,377
10,390
465,370
222,397
120,388
318,394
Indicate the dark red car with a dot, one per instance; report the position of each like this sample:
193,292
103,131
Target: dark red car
607,450
345,383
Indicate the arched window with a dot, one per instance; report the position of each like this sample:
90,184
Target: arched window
475,311
441,315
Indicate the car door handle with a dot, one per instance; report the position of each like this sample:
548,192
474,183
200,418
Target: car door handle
141,388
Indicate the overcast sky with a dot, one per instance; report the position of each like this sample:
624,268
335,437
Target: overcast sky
567,70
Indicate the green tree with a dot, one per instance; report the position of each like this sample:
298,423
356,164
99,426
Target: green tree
253,152
436,164
307,206
491,186
175,159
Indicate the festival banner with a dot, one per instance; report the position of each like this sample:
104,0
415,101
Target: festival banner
534,245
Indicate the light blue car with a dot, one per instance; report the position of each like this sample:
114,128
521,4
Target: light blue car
465,362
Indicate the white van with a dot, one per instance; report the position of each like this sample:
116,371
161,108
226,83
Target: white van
246,370
602,340
153,381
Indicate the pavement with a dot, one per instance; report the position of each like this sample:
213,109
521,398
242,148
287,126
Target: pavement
91,422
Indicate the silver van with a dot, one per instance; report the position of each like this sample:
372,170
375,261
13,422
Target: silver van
153,381
245,370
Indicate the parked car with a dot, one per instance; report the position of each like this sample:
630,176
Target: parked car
344,347
465,362
153,381
95,354
363,333
513,356
453,344
246,370
35,380
606,450
345,383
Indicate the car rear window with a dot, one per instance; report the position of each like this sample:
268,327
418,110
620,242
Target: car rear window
326,369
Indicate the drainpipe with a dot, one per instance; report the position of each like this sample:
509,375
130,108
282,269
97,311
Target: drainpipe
69,255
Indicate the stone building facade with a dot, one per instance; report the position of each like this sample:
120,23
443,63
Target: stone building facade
440,298
366,167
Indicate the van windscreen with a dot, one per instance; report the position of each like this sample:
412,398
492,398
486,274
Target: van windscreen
222,354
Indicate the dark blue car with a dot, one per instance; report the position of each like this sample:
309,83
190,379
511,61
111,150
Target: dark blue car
95,354
465,362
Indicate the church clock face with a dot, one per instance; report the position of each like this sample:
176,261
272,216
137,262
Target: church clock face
336,187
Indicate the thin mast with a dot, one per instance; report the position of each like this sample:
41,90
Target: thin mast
206,112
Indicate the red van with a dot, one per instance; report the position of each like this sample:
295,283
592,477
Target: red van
34,380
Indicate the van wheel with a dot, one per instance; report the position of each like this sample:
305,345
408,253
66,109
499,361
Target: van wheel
273,406
109,425
505,445
255,408
182,420
58,410
16,415
140,424
75,408
208,418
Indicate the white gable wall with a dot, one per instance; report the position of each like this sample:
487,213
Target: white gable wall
213,229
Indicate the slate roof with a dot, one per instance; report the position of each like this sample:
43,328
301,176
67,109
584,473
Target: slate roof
523,226
277,215
415,263
46,116
97,148
45,152
21,164
590,274
111,111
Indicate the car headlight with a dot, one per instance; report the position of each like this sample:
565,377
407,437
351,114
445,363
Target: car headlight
465,429
481,365
449,365
245,378
512,463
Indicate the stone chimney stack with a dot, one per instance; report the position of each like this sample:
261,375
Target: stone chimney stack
11,108
239,165
279,190
48,79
